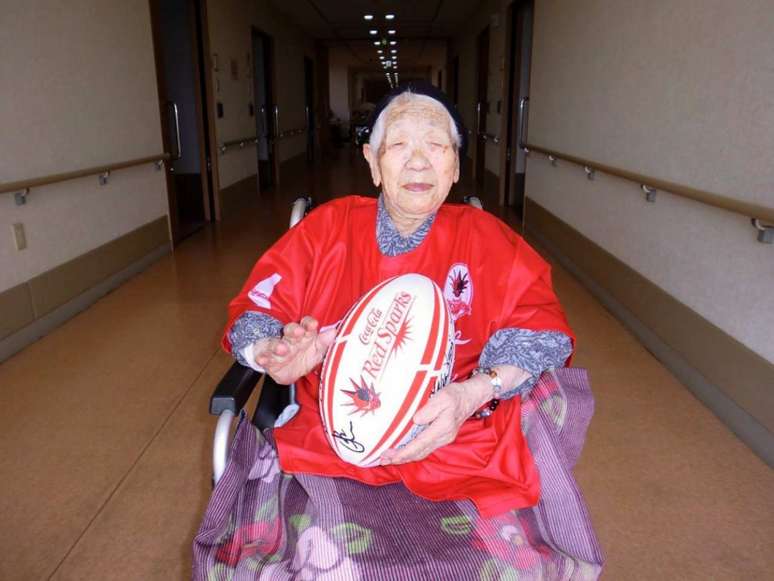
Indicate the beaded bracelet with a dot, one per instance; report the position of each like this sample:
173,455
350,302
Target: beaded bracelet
487,410
497,384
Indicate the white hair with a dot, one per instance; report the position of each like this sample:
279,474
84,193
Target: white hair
377,133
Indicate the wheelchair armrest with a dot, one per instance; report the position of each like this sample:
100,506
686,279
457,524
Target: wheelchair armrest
234,389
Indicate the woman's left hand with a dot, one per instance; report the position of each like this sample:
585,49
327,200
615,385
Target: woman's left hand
443,414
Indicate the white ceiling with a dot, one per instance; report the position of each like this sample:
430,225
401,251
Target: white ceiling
343,19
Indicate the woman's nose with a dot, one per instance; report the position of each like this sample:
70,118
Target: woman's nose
418,160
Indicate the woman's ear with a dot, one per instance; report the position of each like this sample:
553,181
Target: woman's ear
373,163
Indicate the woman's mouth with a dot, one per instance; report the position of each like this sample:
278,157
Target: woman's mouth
417,186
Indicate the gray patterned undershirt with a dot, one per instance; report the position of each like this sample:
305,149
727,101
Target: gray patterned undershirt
533,351
390,241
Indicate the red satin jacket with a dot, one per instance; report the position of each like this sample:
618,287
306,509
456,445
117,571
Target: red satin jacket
492,280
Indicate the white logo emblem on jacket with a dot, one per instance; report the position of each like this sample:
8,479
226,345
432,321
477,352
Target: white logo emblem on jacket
261,293
458,292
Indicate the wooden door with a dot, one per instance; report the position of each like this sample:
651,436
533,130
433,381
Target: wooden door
482,104
176,28
267,113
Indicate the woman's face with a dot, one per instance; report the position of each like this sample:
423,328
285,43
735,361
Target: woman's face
417,162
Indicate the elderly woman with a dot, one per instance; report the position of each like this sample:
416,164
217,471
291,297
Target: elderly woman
471,468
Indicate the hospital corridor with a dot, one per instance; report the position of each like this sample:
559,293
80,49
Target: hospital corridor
152,151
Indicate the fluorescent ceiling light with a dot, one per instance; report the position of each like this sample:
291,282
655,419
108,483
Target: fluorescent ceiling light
373,31
391,31
380,51
377,43
393,42
393,51
389,16
368,17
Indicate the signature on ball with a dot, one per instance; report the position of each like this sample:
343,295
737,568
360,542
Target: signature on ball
349,441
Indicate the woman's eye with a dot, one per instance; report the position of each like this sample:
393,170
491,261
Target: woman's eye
396,145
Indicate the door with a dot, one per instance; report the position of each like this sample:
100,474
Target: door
178,51
309,107
520,23
267,114
455,81
482,104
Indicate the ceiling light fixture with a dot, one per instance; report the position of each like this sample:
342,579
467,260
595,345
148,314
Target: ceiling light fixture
373,31
389,16
391,31
377,43
393,42
368,17
394,50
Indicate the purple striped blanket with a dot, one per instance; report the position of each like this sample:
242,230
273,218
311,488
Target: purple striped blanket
263,524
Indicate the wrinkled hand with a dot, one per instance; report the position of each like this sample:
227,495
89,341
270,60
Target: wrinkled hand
296,353
443,415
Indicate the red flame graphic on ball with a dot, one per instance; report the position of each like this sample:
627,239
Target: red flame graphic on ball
364,398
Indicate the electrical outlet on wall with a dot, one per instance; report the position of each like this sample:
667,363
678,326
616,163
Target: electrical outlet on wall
19,237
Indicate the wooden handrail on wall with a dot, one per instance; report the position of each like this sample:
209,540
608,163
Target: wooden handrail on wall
253,140
292,132
756,212
22,186
237,143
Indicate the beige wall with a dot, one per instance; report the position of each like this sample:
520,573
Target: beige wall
79,90
681,90
230,23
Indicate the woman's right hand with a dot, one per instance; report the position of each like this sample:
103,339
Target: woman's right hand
296,353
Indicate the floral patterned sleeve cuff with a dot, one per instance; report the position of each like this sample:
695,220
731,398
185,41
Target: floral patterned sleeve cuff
250,327
532,351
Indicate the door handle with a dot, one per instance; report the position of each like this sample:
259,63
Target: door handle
264,124
178,142
523,111
478,118
276,120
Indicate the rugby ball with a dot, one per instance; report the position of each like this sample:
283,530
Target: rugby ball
393,350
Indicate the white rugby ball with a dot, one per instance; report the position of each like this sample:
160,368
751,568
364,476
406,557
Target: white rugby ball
393,350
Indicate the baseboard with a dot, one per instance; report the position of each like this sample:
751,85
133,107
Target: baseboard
244,193
50,299
729,378
239,195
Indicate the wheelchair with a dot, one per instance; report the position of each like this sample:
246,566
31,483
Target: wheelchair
277,403
246,507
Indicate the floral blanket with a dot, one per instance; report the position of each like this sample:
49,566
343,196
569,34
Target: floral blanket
263,524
